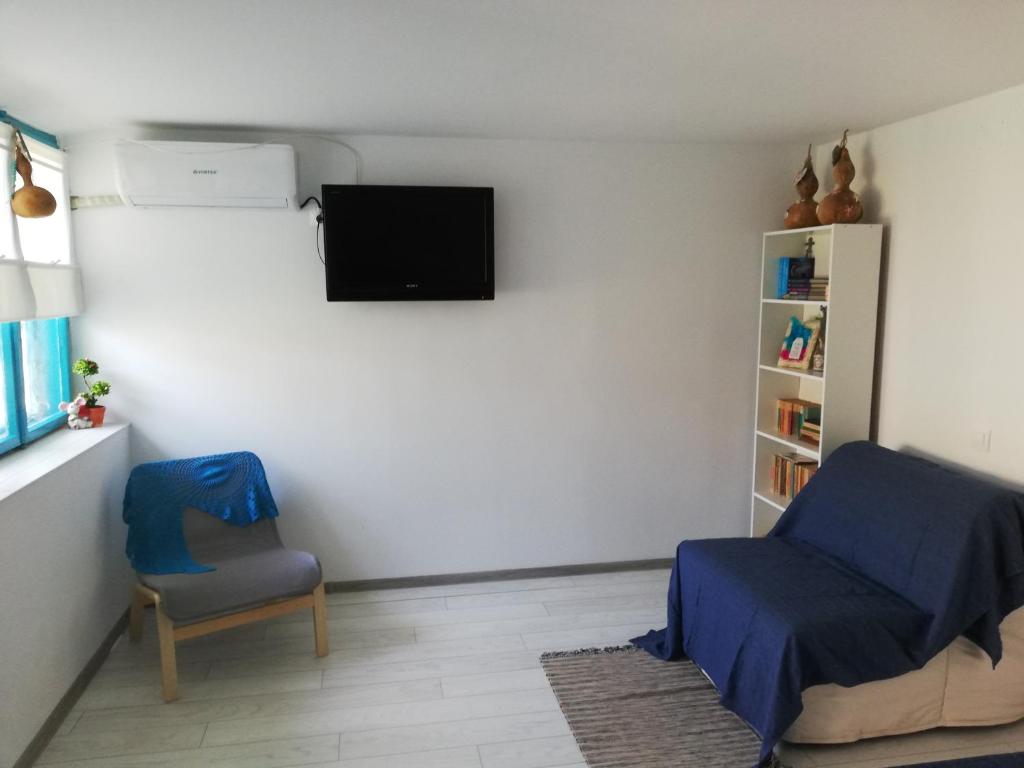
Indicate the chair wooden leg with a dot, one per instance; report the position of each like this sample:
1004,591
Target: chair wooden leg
168,661
135,617
320,620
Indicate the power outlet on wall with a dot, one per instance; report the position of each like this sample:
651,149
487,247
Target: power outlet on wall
981,440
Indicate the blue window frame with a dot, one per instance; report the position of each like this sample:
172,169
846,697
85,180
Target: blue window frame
36,366
10,435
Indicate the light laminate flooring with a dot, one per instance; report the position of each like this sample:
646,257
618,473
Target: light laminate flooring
430,677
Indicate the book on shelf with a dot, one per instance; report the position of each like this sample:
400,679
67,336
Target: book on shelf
811,432
792,414
814,289
793,271
806,285
808,281
790,472
782,279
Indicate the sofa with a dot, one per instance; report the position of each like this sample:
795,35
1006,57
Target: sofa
876,605
958,687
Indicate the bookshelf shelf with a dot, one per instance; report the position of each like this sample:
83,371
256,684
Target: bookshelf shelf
793,371
796,302
772,500
810,230
849,256
800,446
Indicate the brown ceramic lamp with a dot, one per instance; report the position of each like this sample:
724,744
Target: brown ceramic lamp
803,212
841,205
30,202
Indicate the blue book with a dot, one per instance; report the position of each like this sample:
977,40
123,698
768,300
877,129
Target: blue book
782,284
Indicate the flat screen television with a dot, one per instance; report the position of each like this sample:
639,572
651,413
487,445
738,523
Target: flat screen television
384,243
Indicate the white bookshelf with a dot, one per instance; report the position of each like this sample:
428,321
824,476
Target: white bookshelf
850,255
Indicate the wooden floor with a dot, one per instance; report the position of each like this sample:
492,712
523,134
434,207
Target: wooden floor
432,677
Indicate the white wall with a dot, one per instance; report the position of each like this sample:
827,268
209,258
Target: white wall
947,187
599,410
65,577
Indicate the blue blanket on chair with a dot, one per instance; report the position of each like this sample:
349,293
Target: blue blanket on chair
231,486
878,564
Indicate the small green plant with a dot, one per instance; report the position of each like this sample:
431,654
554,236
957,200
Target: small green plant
93,392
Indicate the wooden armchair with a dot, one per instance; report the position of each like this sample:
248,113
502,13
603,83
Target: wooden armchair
255,579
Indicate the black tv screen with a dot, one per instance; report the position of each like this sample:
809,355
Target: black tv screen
397,243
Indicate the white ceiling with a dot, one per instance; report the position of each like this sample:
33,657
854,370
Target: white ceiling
708,70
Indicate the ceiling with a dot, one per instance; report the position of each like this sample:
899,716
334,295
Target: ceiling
660,70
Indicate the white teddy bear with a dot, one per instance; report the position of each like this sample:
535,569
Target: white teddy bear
74,420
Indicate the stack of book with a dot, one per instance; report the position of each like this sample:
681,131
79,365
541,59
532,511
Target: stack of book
792,414
807,289
811,432
790,473
793,270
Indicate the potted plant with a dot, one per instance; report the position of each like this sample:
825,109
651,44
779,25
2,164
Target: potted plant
93,392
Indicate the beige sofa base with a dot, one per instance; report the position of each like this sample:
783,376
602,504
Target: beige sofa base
958,687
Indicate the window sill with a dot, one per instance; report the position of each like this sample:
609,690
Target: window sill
23,466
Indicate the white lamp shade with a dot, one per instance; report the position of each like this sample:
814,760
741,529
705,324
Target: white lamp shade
57,289
17,299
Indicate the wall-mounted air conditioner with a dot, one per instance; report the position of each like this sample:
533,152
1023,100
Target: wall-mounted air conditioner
205,174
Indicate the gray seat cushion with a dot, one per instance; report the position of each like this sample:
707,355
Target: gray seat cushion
238,583
252,568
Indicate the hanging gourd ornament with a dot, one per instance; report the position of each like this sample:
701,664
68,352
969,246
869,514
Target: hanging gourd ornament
841,205
30,202
802,213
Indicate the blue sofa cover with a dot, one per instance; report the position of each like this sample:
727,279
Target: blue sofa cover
877,565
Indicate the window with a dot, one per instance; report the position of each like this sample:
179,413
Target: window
35,254
47,240
37,376
9,434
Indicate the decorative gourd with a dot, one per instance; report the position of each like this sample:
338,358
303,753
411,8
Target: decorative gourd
802,213
841,205
30,202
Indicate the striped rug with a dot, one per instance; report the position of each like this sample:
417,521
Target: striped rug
630,710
